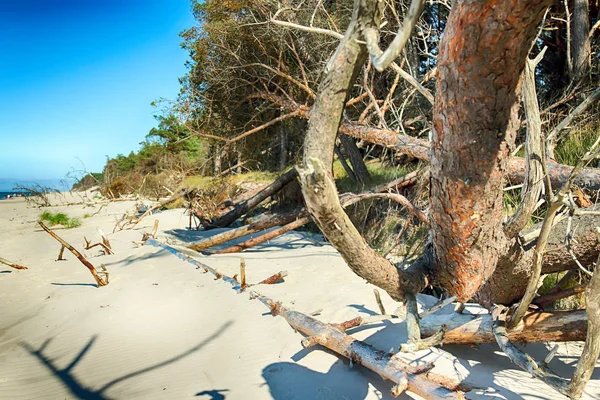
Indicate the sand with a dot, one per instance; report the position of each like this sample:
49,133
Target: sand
162,329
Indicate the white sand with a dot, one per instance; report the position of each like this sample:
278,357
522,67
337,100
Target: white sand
163,330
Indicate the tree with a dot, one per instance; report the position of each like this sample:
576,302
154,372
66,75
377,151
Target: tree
475,116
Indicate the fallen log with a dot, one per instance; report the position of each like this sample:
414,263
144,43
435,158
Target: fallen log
346,200
388,367
11,264
266,237
275,220
99,280
249,204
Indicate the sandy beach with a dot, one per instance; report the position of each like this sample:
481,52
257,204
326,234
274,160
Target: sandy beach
162,329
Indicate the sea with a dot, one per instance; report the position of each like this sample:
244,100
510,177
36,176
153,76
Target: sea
8,186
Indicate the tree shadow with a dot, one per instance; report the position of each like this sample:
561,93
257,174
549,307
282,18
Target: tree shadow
73,284
80,390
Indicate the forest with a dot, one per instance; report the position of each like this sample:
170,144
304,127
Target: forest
442,147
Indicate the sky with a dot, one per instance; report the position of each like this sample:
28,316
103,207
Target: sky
77,78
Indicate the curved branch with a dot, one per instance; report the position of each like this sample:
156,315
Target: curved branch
382,60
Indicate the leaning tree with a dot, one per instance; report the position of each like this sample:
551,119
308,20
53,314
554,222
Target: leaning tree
481,72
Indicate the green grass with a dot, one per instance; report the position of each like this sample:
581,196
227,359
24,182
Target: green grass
379,174
570,150
60,219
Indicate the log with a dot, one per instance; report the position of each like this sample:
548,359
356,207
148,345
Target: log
247,205
386,366
346,200
99,280
265,237
275,220
11,264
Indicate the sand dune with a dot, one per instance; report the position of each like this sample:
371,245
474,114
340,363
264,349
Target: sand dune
164,330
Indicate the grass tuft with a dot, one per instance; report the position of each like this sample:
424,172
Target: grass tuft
60,219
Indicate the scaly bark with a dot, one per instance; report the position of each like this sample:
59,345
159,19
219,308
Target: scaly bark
475,120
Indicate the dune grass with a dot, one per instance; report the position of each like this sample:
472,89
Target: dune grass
60,219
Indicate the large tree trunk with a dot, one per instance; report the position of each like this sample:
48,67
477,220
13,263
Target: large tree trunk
580,44
475,120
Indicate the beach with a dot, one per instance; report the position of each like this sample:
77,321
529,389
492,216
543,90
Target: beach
164,329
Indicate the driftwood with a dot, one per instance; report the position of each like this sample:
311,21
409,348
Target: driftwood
99,280
346,200
155,207
388,367
249,204
104,238
11,264
151,235
61,253
89,245
463,328
275,220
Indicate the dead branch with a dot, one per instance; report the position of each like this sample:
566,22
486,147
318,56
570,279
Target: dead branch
382,59
275,220
543,300
389,368
523,360
534,152
89,246
155,207
273,278
99,280
11,264
104,239
60,253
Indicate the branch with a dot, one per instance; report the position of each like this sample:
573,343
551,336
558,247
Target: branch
11,264
99,280
534,152
382,59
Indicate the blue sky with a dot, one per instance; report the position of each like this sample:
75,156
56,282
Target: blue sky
77,78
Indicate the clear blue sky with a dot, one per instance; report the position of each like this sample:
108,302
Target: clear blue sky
77,78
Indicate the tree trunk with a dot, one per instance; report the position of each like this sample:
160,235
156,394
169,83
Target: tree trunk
345,165
283,147
358,165
475,117
580,44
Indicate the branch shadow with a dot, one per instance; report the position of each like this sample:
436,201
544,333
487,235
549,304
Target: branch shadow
73,284
214,394
6,272
82,391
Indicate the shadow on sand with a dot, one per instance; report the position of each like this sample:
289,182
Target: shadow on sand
478,366
79,390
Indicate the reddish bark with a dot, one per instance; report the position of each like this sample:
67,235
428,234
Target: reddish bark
475,120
